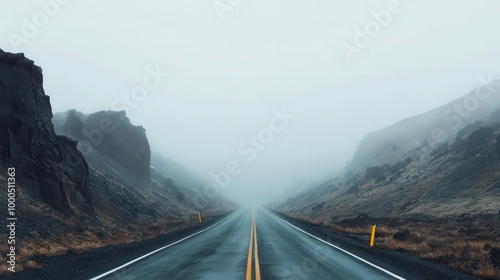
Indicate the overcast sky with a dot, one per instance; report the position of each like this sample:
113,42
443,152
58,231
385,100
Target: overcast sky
231,67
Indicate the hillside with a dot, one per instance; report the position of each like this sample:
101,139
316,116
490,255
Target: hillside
90,187
179,173
408,169
389,145
456,177
435,195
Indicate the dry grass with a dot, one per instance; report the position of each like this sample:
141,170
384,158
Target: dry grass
20,265
3,270
447,243
78,243
453,251
74,235
32,264
47,232
447,248
41,247
3,265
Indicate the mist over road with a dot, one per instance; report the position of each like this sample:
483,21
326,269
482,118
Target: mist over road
227,250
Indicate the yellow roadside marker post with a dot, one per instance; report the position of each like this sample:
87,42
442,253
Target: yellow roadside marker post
372,239
199,217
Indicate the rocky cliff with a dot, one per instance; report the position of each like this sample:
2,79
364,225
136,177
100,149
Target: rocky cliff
440,196
78,195
177,172
388,145
456,177
49,166
390,176
111,134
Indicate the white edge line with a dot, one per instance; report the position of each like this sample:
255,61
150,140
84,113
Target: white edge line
157,250
340,249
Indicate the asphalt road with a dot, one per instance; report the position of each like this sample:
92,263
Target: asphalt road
229,250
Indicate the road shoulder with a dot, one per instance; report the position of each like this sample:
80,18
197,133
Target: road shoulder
93,263
408,266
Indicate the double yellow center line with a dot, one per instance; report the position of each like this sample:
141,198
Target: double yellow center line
253,241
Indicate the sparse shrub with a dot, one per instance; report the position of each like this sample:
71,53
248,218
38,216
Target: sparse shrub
402,235
317,207
32,264
486,247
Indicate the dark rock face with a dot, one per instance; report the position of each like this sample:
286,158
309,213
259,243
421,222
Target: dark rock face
468,129
169,184
440,151
317,206
49,166
495,116
459,145
74,125
377,148
477,140
374,172
495,256
402,235
111,134
497,146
